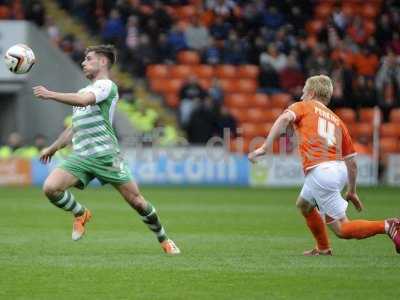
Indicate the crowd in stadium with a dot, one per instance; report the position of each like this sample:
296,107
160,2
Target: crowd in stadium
357,43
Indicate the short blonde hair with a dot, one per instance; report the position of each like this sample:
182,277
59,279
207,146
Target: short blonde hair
322,86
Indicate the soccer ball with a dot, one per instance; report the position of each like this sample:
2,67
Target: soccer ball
19,59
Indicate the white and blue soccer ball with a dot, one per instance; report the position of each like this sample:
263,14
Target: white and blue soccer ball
19,59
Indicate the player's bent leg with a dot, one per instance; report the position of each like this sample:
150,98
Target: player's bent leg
130,192
55,188
362,229
317,227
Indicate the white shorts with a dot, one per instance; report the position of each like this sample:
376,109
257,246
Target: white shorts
322,188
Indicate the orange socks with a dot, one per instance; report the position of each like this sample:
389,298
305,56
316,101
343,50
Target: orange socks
318,229
361,229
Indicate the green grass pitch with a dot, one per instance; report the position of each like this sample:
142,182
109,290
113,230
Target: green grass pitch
237,243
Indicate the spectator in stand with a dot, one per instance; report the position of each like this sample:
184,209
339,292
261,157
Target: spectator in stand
338,75
113,31
384,31
225,121
212,54
273,58
339,20
202,124
132,32
223,8
269,80
219,30
272,18
216,93
52,30
164,53
357,31
318,63
36,12
78,51
235,49
387,83
143,55
161,16
176,39
394,45
191,94
197,36
364,92
291,77
366,62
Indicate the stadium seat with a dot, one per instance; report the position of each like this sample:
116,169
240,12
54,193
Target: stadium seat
188,57
248,71
369,11
394,115
314,26
203,71
347,115
245,85
229,85
239,114
251,130
180,71
323,10
272,114
157,71
186,12
390,130
259,100
369,27
280,100
226,71
172,100
237,100
361,130
349,8
166,85
367,114
205,83
257,115
388,145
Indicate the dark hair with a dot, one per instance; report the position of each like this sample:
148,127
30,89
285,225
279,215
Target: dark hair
108,51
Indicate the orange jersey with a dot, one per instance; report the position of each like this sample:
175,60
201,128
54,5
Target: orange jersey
322,136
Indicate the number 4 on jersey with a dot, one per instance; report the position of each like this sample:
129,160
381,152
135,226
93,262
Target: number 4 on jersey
326,130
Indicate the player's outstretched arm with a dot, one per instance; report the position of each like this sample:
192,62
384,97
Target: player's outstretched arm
63,140
351,194
279,126
74,99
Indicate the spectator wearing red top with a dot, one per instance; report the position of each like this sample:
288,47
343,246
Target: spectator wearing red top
357,31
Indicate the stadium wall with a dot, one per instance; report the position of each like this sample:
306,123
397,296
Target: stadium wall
192,166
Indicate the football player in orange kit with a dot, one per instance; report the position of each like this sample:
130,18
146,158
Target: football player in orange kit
328,161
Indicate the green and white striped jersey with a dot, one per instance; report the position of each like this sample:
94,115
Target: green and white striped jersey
92,125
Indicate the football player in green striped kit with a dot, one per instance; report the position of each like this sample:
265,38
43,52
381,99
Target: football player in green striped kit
96,152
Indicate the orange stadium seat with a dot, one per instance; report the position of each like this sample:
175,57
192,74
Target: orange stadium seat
314,26
394,115
245,85
180,71
256,115
259,100
280,100
172,100
366,114
188,57
390,130
237,101
364,129
370,27
226,71
166,85
388,145
205,83
203,71
186,11
239,114
369,10
323,10
228,85
157,71
248,71
347,115
252,130
349,8
272,114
